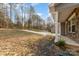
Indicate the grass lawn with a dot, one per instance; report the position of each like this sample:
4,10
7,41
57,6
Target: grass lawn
13,33
38,30
14,42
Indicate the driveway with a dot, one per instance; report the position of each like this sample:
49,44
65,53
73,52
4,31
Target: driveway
66,39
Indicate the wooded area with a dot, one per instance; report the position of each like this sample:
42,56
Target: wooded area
22,16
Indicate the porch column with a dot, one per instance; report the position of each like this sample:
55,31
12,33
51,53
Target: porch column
57,28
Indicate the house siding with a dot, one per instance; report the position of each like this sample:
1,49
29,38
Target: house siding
74,36
64,12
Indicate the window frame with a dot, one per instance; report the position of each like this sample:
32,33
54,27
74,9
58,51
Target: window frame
71,23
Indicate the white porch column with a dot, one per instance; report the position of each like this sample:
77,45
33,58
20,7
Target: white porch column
57,28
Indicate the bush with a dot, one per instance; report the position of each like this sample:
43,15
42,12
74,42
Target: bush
61,43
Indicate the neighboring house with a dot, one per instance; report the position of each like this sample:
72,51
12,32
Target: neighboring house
68,17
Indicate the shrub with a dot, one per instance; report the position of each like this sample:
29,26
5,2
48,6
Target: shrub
61,43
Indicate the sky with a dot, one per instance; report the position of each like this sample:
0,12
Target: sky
41,9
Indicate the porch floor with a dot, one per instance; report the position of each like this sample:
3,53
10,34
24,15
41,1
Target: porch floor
70,41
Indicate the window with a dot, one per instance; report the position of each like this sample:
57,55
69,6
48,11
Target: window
69,27
73,28
71,24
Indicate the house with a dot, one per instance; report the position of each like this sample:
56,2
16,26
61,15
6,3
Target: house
68,17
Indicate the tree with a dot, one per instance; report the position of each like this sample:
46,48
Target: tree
50,24
34,21
18,22
11,16
7,19
31,13
4,19
23,12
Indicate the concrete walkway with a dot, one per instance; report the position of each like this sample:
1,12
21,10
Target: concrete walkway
70,41
67,40
41,33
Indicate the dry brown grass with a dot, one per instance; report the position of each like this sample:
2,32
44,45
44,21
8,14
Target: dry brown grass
18,45
15,43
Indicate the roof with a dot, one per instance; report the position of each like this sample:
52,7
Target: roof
64,10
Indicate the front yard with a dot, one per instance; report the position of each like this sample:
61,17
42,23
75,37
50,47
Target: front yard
20,43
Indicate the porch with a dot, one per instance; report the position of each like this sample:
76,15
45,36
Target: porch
69,41
70,27
66,18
